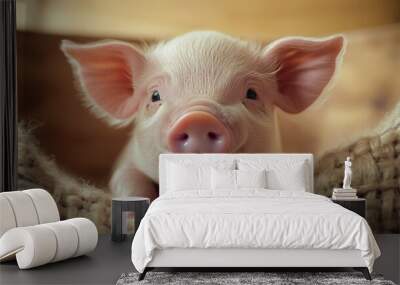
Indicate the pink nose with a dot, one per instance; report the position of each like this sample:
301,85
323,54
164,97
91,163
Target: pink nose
198,132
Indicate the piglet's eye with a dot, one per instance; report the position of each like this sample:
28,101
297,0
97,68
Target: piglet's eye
251,94
155,96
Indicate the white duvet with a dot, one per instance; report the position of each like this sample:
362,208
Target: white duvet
252,218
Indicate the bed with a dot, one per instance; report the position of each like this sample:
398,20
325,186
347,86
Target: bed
245,211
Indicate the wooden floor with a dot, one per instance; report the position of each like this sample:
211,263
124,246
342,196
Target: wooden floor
110,260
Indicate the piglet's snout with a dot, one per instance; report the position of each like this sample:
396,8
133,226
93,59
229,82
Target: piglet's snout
198,132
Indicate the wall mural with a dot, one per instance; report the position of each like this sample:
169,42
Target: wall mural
95,114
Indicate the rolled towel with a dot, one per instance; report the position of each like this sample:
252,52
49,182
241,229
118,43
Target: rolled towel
40,244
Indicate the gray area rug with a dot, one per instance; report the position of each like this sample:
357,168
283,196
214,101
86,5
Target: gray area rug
233,278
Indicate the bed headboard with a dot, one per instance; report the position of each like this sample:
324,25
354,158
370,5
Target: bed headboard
164,158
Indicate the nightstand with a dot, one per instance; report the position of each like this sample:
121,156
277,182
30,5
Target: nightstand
358,206
127,212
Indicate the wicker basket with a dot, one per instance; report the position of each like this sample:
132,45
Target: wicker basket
376,175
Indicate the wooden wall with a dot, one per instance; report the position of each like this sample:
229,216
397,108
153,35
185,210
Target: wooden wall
158,19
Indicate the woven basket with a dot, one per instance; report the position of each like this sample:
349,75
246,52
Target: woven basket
376,176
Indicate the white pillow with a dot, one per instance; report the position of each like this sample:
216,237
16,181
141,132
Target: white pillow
193,174
281,174
228,179
251,178
181,177
287,179
223,179
200,161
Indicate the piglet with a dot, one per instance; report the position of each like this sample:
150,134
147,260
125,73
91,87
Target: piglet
202,92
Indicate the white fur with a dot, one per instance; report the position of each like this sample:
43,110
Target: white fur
203,62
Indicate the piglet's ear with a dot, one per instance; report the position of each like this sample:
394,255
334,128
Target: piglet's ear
106,71
304,67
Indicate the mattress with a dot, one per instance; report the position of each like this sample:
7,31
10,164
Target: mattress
250,219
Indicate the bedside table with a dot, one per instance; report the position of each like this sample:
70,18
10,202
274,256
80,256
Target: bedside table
358,206
126,214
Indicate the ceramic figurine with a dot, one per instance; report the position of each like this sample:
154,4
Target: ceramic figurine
347,174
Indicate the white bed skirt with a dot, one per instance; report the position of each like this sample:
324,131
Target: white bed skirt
193,257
